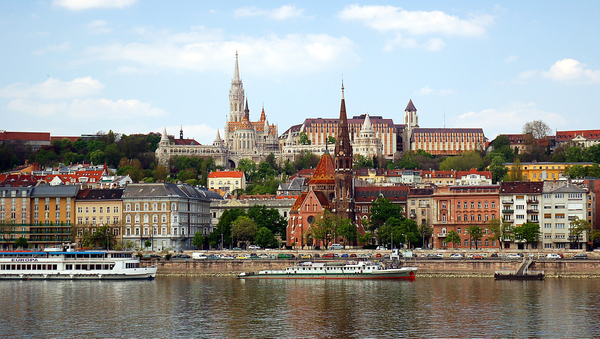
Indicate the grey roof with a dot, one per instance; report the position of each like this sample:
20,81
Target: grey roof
47,191
210,194
162,190
568,189
8,191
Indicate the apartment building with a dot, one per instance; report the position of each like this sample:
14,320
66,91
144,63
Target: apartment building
563,202
168,215
97,208
520,203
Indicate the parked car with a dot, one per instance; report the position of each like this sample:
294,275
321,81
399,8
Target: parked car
180,257
254,256
364,256
553,256
435,256
198,256
328,256
236,249
254,247
353,255
378,255
457,256
212,257
336,247
263,256
381,248
386,256
226,257
513,256
580,256
317,255
242,257
476,257
344,255
151,257
305,256
285,256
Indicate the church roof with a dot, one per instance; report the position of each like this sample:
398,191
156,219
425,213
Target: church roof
325,171
186,142
410,107
245,124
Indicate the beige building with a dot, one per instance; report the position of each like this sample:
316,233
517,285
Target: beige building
96,208
227,180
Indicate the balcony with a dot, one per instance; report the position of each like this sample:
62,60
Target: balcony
413,216
533,211
442,235
532,201
507,202
510,221
507,211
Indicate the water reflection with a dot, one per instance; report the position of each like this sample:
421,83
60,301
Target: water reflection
231,308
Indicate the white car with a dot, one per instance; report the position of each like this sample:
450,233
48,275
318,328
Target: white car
254,247
457,256
553,256
514,256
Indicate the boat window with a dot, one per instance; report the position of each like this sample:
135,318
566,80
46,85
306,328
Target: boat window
69,266
77,266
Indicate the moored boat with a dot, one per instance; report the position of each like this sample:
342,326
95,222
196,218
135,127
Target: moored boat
336,270
70,265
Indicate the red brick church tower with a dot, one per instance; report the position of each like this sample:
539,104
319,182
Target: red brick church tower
343,202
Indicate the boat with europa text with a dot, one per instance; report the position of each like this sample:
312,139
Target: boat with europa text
73,265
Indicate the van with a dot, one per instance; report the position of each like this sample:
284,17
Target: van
336,247
199,256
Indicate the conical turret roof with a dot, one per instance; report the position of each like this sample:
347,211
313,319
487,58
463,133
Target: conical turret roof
325,171
410,107
367,127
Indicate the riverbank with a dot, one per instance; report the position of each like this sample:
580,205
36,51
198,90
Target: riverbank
588,269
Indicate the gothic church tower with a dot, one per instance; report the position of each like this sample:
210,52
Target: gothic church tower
411,121
344,189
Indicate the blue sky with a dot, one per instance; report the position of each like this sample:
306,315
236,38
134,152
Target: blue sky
73,67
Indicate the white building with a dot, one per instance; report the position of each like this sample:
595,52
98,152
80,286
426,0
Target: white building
563,202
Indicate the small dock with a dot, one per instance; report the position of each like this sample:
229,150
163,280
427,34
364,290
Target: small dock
522,273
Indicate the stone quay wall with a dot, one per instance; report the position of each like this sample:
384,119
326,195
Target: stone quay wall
589,268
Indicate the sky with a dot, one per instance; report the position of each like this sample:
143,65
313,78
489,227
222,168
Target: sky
73,67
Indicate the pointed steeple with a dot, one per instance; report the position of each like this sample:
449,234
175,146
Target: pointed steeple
218,138
247,111
236,71
181,133
263,116
164,136
410,107
366,127
289,140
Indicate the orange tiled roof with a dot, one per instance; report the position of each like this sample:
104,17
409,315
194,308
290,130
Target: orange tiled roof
325,171
226,174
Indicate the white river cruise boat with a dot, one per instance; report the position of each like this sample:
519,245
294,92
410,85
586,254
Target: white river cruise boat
71,265
336,270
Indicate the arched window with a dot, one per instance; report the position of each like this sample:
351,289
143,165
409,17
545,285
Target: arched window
472,217
164,218
478,217
128,218
146,218
154,218
458,217
128,207
137,218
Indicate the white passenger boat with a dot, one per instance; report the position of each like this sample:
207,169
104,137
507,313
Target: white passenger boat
336,270
90,265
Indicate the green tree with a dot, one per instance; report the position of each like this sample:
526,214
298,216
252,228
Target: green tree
400,230
529,232
303,139
160,173
381,210
426,232
264,237
147,243
537,128
244,229
463,162
576,171
269,218
223,229
453,238
367,238
500,231
331,139
198,240
248,167
360,161
516,172
475,233
347,230
498,169
577,228
324,227
21,243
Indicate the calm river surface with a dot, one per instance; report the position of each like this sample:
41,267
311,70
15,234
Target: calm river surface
171,307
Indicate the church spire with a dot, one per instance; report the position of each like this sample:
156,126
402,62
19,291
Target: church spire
236,71
344,187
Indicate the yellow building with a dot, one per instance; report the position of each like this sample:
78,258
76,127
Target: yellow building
540,171
98,208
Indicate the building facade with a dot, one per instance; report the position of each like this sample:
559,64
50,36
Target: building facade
167,215
227,180
563,202
456,208
97,208
520,203
540,171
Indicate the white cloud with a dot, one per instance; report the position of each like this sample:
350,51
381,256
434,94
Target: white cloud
77,5
54,89
281,13
98,27
427,91
511,58
134,70
390,18
566,70
208,50
65,46
570,69
507,119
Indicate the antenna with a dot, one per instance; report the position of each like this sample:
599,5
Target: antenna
444,118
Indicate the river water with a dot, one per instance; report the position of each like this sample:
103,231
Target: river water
174,307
